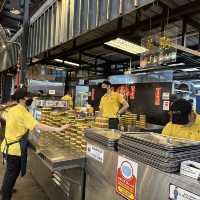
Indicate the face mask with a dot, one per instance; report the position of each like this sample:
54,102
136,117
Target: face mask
104,90
29,102
192,118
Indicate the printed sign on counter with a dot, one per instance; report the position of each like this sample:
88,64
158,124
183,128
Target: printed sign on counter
95,152
166,105
126,178
52,92
177,193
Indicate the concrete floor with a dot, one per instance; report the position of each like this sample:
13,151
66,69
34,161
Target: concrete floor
27,188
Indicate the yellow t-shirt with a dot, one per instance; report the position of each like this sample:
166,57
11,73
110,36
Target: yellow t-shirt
18,122
197,120
68,99
110,104
181,131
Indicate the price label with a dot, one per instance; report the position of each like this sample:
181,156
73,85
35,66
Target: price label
52,92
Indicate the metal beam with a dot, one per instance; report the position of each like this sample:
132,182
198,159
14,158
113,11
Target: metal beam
25,42
2,3
193,23
96,57
193,8
141,25
9,23
199,42
118,51
90,68
11,16
79,61
184,31
190,8
51,62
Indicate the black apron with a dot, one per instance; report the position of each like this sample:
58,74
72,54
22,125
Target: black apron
113,123
23,141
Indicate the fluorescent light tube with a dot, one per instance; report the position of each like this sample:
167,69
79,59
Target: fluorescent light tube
126,46
66,62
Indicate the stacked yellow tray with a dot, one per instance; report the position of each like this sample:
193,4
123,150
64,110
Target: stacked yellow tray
101,122
142,121
81,142
45,115
128,119
75,135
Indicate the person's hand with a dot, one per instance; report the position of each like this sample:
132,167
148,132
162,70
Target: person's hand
64,127
118,115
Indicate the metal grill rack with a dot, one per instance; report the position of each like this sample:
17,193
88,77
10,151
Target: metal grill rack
158,151
106,137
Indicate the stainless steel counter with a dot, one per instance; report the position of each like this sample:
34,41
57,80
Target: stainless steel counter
60,172
152,184
58,169
100,176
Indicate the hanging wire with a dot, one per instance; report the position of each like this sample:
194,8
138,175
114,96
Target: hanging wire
167,21
150,24
151,19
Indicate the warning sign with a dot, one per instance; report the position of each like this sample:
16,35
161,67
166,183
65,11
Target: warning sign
126,178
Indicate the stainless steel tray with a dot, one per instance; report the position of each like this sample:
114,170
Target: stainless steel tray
56,155
107,134
162,141
158,152
56,158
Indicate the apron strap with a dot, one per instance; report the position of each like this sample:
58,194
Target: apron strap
23,142
6,148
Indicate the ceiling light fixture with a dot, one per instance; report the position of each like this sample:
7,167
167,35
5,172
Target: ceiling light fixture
15,11
190,69
67,62
58,60
126,46
60,69
176,64
3,46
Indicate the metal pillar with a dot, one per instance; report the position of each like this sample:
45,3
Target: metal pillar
67,82
199,42
6,84
25,41
184,31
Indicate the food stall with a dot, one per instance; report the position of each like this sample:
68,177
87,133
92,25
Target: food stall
90,161
136,45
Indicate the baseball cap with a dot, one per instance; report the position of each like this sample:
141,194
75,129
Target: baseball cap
180,111
107,83
20,93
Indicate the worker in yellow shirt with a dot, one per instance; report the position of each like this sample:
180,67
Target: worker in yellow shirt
112,105
14,147
184,123
68,99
